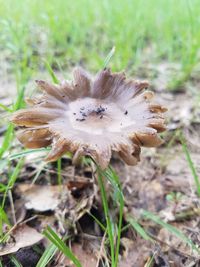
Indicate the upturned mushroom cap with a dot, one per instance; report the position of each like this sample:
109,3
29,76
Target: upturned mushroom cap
93,117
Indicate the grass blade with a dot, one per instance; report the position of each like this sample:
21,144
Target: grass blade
26,152
107,215
170,228
7,140
138,228
48,254
97,221
51,73
150,261
20,98
9,133
55,239
40,169
109,56
191,164
15,261
5,108
12,180
119,199
3,219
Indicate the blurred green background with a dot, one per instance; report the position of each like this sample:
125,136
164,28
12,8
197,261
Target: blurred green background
66,33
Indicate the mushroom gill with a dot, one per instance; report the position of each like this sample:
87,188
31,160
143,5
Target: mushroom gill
92,117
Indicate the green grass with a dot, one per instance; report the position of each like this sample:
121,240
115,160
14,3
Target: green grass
47,256
149,215
15,262
138,228
60,244
190,163
109,222
11,181
84,31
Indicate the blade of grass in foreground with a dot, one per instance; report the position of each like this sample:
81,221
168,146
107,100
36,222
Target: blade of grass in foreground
9,133
114,180
2,188
97,221
4,216
149,263
170,228
40,169
118,197
107,216
12,180
26,152
5,108
51,73
48,254
3,220
55,239
138,228
7,140
15,261
191,164
109,56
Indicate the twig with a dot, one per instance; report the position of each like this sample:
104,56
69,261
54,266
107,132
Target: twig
12,206
101,249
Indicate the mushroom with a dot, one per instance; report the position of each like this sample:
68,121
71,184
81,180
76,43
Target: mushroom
92,117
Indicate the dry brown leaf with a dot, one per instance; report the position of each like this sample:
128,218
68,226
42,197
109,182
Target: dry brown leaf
41,197
21,237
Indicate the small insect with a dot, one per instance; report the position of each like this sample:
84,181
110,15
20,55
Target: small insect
80,119
100,110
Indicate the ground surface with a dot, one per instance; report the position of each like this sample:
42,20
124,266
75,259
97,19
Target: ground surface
154,41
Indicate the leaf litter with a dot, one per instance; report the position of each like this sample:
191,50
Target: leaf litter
22,236
40,197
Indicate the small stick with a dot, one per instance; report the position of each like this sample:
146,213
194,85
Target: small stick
12,206
101,249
